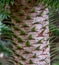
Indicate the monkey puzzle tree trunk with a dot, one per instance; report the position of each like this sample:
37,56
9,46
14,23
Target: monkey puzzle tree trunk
30,34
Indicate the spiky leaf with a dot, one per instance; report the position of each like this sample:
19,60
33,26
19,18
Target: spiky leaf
30,37
30,61
22,32
20,39
28,17
33,29
28,44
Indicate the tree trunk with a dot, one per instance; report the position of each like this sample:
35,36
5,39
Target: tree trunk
31,27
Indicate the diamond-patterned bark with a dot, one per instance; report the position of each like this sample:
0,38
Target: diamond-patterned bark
34,51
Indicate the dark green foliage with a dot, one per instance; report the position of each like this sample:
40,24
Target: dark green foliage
54,29
25,25
51,4
18,20
0,63
33,10
28,17
55,63
4,9
6,32
16,28
20,13
19,47
30,37
33,29
53,39
22,32
5,49
28,44
21,63
20,39
14,35
30,61
56,32
8,23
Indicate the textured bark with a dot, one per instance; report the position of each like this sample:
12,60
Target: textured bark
36,52
34,47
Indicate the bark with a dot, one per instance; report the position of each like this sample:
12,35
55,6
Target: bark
35,50
32,48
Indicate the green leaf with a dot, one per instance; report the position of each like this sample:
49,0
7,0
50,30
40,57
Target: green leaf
30,37
5,49
21,63
33,29
18,20
14,35
16,28
0,63
25,25
20,39
56,63
30,61
56,32
28,17
22,32
7,2
20,13
28,44
19,47
33,10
